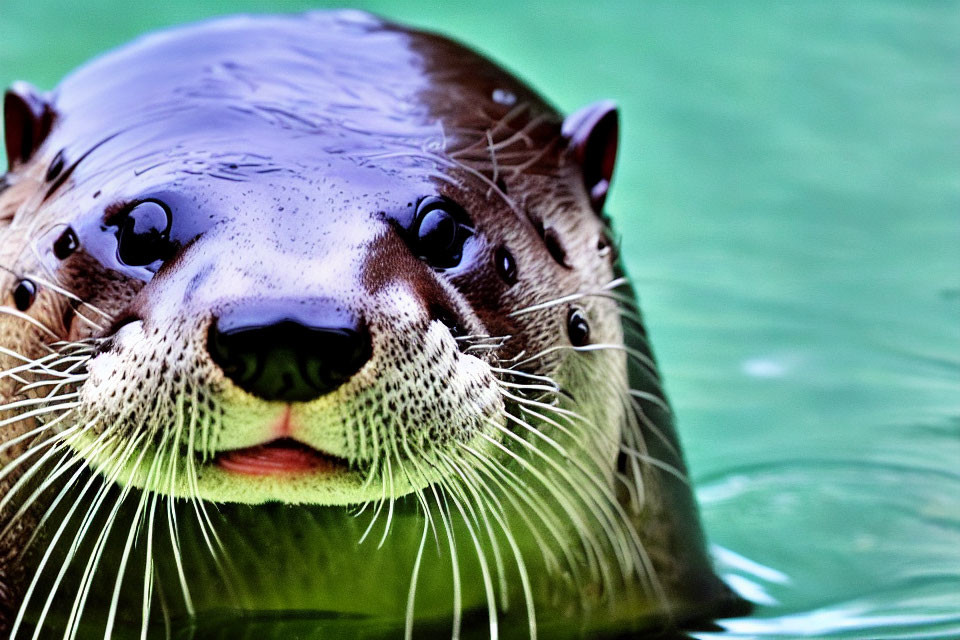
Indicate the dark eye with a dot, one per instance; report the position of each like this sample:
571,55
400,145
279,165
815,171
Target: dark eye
144,234
440,231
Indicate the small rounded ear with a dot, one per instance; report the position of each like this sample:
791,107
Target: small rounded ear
592,136
27,120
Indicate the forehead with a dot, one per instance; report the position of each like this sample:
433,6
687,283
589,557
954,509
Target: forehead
320,76
336,105
314,87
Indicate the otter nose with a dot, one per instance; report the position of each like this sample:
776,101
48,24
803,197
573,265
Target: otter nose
289,352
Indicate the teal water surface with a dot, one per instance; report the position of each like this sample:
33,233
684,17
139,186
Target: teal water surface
789,204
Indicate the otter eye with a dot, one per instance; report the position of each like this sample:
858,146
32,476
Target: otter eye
578,328
144,234
56,167
24,295
440,231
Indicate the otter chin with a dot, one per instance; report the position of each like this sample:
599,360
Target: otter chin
319,320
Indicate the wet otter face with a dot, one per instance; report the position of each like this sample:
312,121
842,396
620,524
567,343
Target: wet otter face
264,273
283,268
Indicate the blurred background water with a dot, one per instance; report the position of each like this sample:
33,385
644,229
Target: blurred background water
789,203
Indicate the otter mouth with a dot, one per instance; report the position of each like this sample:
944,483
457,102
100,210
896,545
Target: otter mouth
279,457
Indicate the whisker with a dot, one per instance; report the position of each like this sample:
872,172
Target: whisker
650,397
80,601
481,557
456,469
11,465
412,590
16,313
604,290
148,569
508,484
145,497
39,412
61,443
47,284
376,513
642,358
94,450
596,506
19,404
591,545
210,536
515,548
29,363
523,374
114,457
33,433
444,512
171,512
386,526
62,380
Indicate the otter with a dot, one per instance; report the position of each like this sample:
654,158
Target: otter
316,325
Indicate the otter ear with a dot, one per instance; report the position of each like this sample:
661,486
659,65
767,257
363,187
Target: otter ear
592,135
27,118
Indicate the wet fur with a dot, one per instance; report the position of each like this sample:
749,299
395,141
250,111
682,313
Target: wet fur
621,525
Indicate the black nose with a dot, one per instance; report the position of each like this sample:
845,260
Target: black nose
289,352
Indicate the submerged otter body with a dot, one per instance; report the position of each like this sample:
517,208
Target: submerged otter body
316,320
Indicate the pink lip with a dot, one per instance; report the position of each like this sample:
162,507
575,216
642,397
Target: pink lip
283,427
282,456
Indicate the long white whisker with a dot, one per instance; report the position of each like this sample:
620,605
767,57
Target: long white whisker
171,511
145,496
412,591
515,548
11,465
569,298
116,457
86,582
10,311
481,557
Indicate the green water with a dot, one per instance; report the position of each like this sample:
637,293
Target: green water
789,200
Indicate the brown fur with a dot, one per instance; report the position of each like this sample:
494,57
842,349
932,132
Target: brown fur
464,129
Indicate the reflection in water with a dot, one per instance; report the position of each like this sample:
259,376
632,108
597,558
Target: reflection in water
871,549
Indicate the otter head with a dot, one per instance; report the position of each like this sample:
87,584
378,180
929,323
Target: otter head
331,261
303,270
